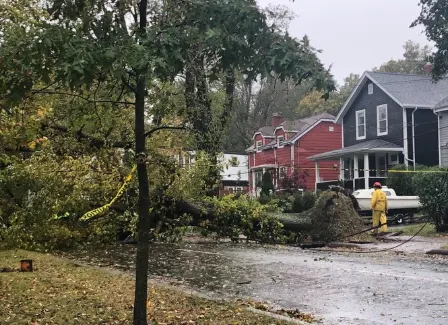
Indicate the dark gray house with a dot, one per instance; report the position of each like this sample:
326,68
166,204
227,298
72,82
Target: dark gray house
388,119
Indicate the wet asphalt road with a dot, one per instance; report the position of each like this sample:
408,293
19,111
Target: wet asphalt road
339,288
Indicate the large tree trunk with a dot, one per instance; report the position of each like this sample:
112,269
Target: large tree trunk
144,221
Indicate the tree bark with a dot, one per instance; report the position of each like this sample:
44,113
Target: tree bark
144,221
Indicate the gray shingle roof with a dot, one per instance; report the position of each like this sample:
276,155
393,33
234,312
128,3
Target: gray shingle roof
366,146
442,104
412,90
266,130
308,122
296,126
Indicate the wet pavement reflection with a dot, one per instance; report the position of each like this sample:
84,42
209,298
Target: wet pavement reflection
342,288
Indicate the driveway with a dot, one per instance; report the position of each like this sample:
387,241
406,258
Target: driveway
394,287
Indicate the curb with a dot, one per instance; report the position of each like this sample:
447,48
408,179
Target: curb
438,251
276,316
343,245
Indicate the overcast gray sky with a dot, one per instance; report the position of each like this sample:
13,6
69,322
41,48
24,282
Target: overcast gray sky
355,35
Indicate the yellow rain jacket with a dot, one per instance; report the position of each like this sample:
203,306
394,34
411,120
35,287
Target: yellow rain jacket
378,201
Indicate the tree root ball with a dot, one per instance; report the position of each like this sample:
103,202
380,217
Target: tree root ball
334,217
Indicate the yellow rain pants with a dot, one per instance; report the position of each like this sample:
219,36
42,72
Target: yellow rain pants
380,217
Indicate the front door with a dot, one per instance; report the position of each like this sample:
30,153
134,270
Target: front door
381,165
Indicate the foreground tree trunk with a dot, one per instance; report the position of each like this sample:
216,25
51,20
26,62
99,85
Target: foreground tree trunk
144,222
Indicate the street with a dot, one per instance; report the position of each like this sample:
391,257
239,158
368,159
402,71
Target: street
403,286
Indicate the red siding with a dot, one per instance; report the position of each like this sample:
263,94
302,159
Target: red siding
280,132
284,156
259,137
319,140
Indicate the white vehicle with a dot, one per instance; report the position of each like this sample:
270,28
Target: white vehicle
398,206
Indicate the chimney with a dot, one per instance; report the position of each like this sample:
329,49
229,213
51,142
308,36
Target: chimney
277,119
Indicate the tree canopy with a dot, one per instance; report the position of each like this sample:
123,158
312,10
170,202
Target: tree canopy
415,57
103,65
434,18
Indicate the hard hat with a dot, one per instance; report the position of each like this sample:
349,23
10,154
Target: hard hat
377,184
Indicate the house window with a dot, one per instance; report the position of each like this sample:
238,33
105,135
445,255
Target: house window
280,140
382,125
331,128
370,88
258,145
361,125
239,189
393,159
283,172
258,178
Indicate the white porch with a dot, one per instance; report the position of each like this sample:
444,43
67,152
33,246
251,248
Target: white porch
360,165
256,175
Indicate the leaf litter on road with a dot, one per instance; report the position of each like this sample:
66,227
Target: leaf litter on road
61,292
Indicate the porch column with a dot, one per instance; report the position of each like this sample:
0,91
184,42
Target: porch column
355,170
254,187
341,168
366,171
316,168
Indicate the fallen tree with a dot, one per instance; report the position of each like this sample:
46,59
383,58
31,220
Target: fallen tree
333,216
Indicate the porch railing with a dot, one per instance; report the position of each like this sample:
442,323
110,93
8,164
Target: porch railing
351,184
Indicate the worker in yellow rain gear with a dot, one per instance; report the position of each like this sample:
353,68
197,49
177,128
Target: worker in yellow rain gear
378,204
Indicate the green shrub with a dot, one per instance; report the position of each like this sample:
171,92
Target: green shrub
400,182
267,185
303,201
243,216
297,204
431,186
264,199
308,200
284,202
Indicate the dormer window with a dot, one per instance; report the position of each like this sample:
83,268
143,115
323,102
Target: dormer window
258,145
280,140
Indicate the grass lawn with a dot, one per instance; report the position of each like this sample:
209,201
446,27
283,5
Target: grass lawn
62,292
428,231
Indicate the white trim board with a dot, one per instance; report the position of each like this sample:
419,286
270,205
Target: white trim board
264,136
356,90
294,140
442,109
378,128
357,113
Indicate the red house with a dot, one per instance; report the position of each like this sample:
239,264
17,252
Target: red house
284,147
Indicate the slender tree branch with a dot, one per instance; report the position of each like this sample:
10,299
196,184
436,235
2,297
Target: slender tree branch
163,127
94,142
127,83
51,92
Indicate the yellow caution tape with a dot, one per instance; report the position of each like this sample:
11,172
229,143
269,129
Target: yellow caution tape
102,209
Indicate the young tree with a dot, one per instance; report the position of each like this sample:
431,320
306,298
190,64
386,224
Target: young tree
70,48
415,57
434,18
267,185
313,103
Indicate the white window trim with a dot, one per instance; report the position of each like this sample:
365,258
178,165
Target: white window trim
280,144
370,88
363,111
378,133
394,162
257,147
